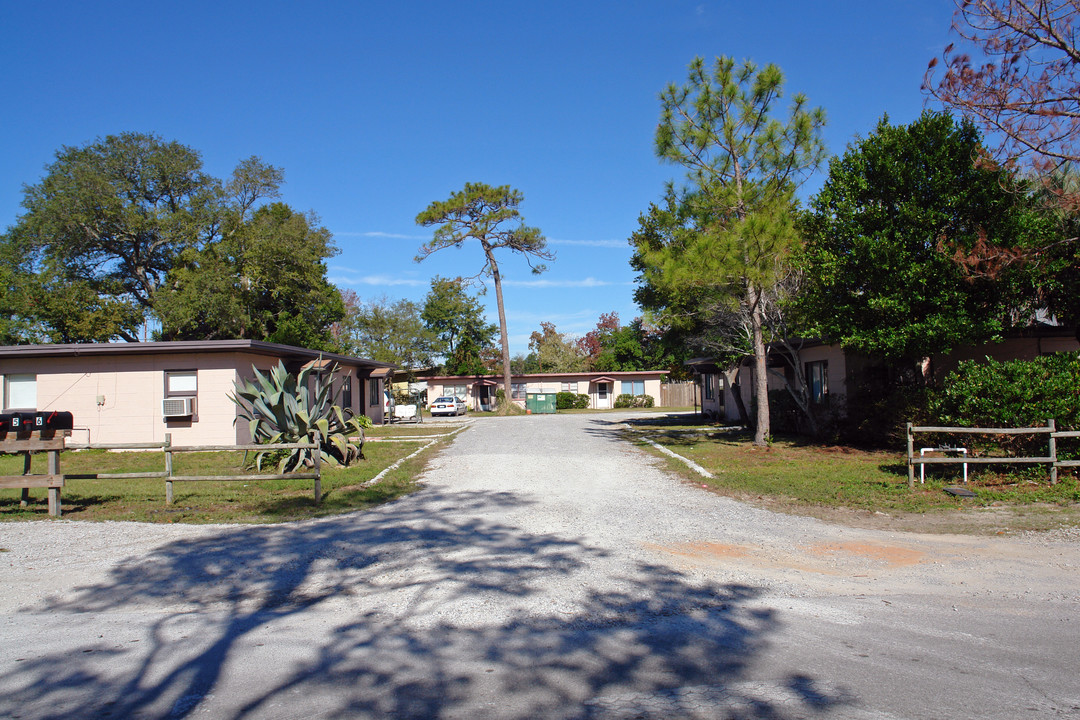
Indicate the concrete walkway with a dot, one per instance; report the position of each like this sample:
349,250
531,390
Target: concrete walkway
547,570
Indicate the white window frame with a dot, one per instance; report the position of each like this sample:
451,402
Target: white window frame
25,389
187,384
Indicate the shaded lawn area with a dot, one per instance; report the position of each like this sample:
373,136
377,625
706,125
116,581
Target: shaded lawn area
802,476
257,501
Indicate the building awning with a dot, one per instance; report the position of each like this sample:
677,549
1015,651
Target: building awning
381,372
486,383
603,379
320,363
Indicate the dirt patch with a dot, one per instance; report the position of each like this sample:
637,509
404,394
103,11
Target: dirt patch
891,555
704,550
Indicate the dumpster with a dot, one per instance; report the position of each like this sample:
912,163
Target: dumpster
537,403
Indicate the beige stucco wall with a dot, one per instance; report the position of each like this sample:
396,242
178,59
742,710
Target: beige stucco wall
116,398
845,370
836,372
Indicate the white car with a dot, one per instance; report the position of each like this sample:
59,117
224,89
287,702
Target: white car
448,406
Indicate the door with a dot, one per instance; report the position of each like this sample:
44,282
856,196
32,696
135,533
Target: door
603,396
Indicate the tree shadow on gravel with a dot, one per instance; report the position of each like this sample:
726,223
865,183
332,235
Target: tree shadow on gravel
429,612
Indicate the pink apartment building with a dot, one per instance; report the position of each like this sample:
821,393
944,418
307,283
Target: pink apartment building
137,392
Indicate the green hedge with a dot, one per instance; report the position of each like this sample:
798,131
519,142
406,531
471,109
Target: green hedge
634,401
1014,393
571,401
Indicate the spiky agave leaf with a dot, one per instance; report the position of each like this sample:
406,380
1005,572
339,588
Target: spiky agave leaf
282,408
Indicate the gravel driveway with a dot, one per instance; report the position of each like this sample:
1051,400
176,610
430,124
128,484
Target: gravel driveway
547,569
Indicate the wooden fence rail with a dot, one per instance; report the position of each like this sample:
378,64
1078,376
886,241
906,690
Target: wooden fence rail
1051,458
168,474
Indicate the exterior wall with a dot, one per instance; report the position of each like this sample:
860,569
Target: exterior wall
116,398
836,373
1021,348
844,371
712,395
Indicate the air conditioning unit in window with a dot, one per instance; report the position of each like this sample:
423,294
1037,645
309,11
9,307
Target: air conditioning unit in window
178,407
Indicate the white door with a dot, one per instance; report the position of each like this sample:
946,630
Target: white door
603,396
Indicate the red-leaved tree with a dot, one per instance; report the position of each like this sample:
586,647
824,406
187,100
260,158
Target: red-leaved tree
1021,83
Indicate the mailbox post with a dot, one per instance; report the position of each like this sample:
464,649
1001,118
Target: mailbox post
30,432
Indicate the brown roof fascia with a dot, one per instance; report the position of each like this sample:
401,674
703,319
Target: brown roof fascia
184,347
475,378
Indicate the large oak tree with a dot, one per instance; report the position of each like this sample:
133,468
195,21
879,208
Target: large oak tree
896,209
128,231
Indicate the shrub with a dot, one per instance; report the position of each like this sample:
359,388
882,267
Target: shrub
634,401
1013,393
581,401
564,401
280,408
784,414
876,415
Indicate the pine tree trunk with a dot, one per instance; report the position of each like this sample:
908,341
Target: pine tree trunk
502,329
761,379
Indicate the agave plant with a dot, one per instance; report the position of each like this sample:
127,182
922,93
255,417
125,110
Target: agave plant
284,408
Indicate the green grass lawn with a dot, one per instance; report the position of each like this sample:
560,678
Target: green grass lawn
806,477
255,501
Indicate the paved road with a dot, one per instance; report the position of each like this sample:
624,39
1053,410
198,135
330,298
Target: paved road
548,569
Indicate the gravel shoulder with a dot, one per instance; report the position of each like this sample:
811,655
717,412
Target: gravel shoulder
547,569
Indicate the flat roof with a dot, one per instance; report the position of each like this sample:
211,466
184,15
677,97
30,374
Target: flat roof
184,347
530,376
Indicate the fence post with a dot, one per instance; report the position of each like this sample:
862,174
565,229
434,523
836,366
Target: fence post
24,500
54,492
910,457
1053,452
168,469
318,475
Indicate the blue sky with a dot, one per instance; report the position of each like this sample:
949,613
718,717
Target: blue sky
376,109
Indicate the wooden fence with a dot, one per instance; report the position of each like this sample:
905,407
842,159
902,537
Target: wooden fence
168,449
1051,458
678,394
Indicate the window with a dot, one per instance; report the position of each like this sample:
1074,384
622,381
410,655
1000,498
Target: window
181,383
374,396
707,383
459,391
601,390
20,391
517,391
633,387
346,392
181,388
817,380
569,387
